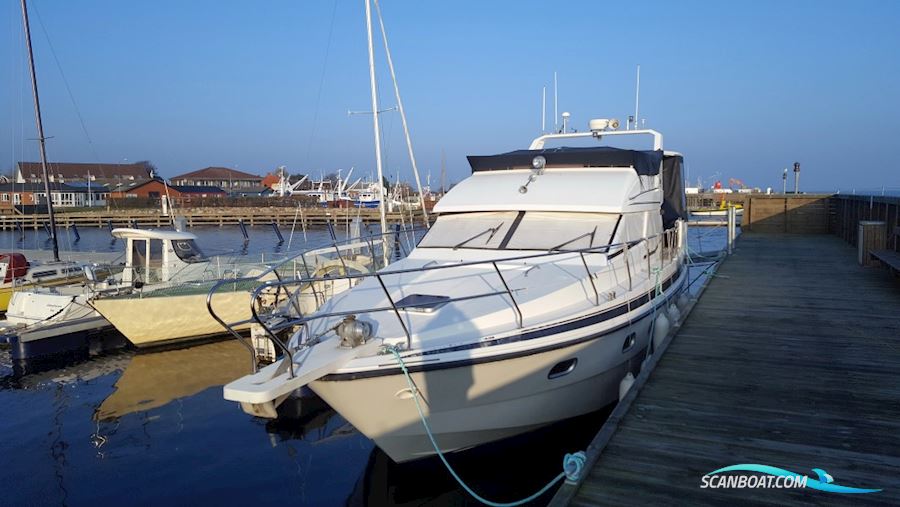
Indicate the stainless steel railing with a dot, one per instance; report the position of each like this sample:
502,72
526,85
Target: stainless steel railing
669,242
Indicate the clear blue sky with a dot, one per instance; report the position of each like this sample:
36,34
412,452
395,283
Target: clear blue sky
743,89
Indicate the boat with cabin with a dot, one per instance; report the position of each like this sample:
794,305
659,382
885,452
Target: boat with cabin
524,304
18,274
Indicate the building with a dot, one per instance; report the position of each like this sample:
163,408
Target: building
230,180
155,189
64,196
114,176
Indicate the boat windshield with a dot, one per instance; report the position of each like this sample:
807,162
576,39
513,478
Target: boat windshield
188,251
531,230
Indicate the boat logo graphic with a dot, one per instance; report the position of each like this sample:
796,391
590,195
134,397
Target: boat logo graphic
774,477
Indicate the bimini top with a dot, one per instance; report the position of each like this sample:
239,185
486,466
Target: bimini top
645,163
127,233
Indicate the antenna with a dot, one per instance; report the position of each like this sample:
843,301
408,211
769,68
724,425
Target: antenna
555,103
637,96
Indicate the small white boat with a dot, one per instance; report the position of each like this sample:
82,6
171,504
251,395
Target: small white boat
524,304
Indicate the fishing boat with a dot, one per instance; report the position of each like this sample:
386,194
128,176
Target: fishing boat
170,280
524,304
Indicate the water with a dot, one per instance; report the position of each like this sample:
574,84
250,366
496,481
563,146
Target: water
153,429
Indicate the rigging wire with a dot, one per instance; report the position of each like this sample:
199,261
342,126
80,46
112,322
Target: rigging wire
312,133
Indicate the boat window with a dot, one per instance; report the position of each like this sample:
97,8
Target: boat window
156,248
469,230
188,251
532,230
551,230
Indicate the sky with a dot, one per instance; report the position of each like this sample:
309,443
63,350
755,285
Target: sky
742,88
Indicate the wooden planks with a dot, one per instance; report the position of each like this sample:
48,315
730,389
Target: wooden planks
791,358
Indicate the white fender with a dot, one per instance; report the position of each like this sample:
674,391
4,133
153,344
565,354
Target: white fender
625,384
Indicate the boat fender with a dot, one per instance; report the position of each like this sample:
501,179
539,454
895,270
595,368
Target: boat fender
674,313
682,301
660,329
625,384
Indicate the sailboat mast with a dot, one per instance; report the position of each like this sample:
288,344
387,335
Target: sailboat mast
412,157
40,128
372,84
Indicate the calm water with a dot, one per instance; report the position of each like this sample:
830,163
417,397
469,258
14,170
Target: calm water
153,429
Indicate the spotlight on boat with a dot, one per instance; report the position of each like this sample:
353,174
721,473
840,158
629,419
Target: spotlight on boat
353,332
538,163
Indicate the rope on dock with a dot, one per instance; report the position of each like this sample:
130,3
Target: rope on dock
573,464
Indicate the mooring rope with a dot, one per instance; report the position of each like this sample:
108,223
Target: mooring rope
573,464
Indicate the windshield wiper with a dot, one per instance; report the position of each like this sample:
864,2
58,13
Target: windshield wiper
492,230
585,235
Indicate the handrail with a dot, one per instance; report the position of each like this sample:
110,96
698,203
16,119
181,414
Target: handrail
230,327
625,246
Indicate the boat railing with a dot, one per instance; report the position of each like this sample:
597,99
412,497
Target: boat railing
317,266
279,318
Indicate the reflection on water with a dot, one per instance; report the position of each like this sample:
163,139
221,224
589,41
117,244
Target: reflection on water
153,379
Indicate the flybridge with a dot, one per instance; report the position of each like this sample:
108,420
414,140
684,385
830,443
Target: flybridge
644,162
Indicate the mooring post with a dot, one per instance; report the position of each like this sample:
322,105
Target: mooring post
243,230
277,232
331,231
731,220
75,232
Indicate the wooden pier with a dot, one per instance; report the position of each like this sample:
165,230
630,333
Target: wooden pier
791,358
207,217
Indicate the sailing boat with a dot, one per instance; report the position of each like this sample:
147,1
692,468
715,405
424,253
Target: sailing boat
15,271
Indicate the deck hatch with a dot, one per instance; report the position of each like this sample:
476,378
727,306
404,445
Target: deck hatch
422,303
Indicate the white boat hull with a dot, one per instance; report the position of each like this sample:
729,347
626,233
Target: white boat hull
478,403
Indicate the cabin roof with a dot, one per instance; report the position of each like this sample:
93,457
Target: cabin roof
603,190
128,233
643,162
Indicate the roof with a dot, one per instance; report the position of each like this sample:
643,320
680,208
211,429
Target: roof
126,233
81,170
643,162
197,189
219,173
54,187
602,190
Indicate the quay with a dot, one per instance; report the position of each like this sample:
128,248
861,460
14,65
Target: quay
791,358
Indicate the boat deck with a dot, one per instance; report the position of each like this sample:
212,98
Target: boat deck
791,359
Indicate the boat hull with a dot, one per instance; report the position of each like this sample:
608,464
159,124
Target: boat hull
475,404
153,321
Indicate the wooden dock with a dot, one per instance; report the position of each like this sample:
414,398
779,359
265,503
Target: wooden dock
207,217
791,358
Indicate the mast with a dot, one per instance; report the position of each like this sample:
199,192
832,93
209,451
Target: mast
372,85
40,129
412,157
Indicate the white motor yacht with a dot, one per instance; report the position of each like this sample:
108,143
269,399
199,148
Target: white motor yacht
527,302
